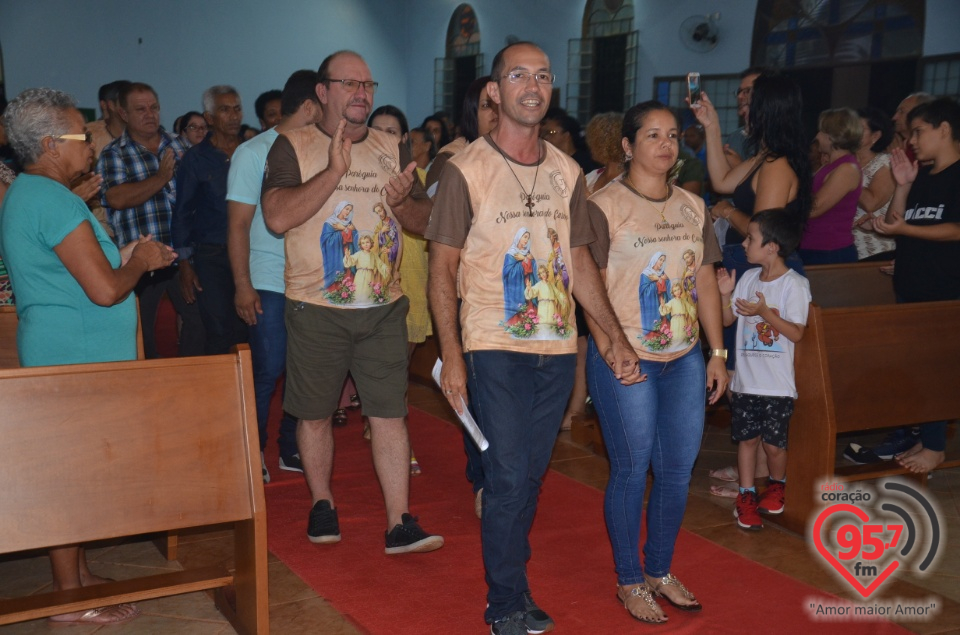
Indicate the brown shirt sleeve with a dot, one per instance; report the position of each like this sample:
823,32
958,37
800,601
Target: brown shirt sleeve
711,246
600,248
283,167
452,212
433,174
581,230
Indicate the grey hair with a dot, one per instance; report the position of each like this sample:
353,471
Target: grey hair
36,113
210,95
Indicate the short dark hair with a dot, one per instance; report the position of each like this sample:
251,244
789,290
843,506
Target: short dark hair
301,86
938,111
569,124
471,107
755,70
779,227
392,111
496,70
260,106
878,121
111,91
134,87
444,133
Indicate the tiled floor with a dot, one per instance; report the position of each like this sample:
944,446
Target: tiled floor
295,608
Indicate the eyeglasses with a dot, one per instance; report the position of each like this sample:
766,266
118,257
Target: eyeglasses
743,91
85,137
522,77
547,133
351,85
194,127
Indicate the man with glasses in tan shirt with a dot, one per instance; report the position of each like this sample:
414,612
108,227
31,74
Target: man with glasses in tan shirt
513,223
345,310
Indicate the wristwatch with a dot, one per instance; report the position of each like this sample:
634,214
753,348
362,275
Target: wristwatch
719,352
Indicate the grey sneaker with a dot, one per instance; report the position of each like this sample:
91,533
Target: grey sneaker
535,619
509,625
408,537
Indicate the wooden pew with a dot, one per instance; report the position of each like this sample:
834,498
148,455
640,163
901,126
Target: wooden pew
864,363
137,447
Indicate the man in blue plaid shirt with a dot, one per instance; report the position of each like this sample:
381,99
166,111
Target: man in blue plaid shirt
138,193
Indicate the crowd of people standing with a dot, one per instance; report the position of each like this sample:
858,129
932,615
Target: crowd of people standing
337,239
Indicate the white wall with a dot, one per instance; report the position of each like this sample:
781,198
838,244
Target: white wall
188,45
181,47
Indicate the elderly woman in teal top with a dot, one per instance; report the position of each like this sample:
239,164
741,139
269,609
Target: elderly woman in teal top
72,284
519,266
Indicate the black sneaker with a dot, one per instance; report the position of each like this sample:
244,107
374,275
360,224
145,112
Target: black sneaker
324,526
535,619
900,440
510,625
856,453
291,463
410,538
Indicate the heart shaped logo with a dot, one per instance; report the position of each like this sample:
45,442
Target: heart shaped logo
832,559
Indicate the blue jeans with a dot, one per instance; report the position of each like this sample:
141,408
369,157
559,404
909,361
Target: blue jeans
658,422
518,400
828,256
268,347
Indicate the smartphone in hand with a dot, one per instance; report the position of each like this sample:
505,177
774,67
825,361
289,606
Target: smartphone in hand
693,88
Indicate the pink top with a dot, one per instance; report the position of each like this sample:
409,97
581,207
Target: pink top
834,228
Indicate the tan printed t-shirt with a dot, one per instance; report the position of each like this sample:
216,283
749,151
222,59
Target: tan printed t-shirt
348,254
651,265
516,279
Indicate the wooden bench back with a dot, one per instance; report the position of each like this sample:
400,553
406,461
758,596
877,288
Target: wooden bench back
859,284
105,450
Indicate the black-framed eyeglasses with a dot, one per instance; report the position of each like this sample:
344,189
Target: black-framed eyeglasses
743,91
522,77
194,127
86,137
352,85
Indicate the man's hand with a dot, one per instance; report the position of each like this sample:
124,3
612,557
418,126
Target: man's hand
881,226
339,152
167,163
398,187
624,362
189,282
453,381
247,302
87,186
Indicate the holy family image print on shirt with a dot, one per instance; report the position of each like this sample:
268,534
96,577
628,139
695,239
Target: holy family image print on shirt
358,265
536,292
668,305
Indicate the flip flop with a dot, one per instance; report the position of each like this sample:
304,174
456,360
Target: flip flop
116,614
725,491
728,473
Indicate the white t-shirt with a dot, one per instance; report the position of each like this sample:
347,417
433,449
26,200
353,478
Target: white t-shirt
764,355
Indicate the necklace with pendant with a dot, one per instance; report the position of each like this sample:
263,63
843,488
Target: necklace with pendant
529,204
649,200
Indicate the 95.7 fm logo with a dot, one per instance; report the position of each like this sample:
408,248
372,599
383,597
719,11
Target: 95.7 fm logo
866,535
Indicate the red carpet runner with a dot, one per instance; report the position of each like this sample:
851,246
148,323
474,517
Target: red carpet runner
571,571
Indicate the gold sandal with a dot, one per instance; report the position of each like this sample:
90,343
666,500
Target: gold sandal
637,600
657,585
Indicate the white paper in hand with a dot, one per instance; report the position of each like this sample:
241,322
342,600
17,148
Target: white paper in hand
466,418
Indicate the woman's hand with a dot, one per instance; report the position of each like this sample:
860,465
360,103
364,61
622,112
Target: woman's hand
705,113
87,186
717,379
127,250
154,254
904,171
722,209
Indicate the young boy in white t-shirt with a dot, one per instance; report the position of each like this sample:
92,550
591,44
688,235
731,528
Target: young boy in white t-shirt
770,306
